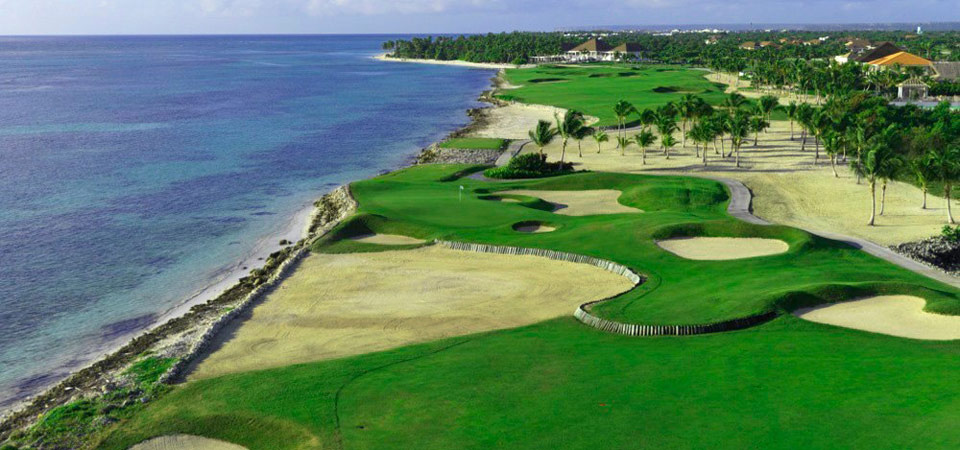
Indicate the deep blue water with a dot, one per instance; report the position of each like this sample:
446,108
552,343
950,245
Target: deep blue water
133,170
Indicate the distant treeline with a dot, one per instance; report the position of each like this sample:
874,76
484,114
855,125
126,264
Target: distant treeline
684,48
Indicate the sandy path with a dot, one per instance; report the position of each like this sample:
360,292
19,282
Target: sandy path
721,248
730,80
788,187
185,442
515,120
473,65
387,239
896,315
580,203
340,305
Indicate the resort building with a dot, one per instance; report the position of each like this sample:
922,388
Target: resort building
902,59
871,52
592,51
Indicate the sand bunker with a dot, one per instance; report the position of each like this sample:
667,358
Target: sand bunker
580,203
533,227
896,315
721,249
347,304
497,198
387,239
185,442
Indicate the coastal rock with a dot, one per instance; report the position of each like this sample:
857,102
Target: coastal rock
436,155
936,251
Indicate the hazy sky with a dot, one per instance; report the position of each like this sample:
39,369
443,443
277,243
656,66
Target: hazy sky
432,16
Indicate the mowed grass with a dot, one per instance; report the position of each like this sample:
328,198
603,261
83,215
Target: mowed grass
594,89
787,384
560,384
475,143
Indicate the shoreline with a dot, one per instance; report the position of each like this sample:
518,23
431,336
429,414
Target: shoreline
293,229
305,225
454,62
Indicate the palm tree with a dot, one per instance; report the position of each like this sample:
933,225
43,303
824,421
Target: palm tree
944,163
879,162
687,107
922,171
768,104
648,117
832,141
580,135
623,142
791,110
666,125
644,139
805,119
668,142
568,127
600,136
542,135
734,101
739,128
622,109
857,136
757,125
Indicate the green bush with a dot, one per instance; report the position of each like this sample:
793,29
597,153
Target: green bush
529,165
951,234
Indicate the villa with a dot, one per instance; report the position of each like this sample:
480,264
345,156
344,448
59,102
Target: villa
592,51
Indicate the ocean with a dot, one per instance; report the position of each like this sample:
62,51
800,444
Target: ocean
137,171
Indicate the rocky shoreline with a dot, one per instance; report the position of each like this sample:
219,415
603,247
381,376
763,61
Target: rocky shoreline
183,338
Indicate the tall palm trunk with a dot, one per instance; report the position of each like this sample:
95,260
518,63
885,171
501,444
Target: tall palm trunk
791,130
816,156
580,148
756,138
738,156
705,152
833,165
924,205
683,133
803,142
873,202
946,193
563,150
883,196
643,156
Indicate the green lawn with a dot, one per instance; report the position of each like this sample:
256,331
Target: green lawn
560,384
475,143
594,89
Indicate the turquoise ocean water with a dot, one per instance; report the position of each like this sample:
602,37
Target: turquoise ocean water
135,170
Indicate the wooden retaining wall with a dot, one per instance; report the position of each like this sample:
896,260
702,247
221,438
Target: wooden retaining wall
582,313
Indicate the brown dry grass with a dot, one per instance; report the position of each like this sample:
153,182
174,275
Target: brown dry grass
340,305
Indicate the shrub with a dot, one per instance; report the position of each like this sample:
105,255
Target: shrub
951,234
529,165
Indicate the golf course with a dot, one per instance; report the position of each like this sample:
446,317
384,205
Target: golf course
607,295
785,383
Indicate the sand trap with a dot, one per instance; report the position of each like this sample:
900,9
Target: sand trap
580,203
347,304
896,315
185,442
497,198
533,227
387,239
721,248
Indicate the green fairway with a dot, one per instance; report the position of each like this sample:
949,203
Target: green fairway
594,89
475,143
561,384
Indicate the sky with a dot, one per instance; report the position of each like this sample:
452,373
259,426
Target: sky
435,16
